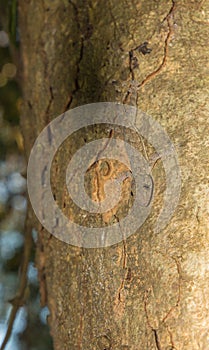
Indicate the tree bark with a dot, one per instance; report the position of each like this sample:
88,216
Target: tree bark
151,290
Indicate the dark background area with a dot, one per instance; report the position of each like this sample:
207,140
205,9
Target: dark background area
30,330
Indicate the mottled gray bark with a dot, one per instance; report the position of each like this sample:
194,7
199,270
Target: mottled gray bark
151,290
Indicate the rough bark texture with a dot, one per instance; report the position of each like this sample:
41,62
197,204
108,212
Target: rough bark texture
150,291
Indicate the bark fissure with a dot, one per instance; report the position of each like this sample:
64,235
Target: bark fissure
157,341
179,291
134,86
132,75
124,265
171,340
163,320
76,79
80,57
125,258
80,339
154,331
153,74
50,101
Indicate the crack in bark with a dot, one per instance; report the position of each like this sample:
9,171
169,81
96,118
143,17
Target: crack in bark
179,292
45,67
80,340
155,331
163,63
76,80
163,321
197,215
145,308
30,104
157,341
68,103
171,340
161,66
124,263
124,267
50,101
131,69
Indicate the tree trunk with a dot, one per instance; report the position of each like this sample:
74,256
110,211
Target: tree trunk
149,291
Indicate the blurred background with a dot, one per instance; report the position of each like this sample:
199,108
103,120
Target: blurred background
30,330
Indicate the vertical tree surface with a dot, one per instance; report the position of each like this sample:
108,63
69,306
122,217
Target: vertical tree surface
149,291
